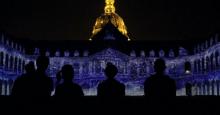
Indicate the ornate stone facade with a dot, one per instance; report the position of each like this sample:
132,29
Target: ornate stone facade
200,69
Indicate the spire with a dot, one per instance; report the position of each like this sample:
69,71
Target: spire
109,6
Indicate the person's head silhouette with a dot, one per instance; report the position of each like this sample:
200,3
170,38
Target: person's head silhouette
111,70
67,73
159,66
30,68
42,63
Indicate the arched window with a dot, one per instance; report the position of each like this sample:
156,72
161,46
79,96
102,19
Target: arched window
203,65
211,62
142,70
133,70
207,64
98,68
187,67
16,64
199,66
217,59
195,66
19,65
76,67
23,66
6,61
11,63
1,59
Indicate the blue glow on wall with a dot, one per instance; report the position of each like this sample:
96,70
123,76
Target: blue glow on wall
204,74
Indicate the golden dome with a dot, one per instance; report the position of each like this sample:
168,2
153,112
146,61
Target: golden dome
110,16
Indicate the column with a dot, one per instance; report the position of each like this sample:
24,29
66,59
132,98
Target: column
214,64
206,89
1,82
93,67
8,88
198,89
80,70
210,88
3,87
194,90
218,89
215,89
202,89
11,82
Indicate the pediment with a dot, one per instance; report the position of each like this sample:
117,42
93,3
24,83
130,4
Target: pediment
110,54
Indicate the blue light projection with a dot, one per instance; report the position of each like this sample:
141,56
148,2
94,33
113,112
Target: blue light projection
202,70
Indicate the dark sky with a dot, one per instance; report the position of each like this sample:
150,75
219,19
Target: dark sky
145,19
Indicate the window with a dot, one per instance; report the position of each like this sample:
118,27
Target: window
187,67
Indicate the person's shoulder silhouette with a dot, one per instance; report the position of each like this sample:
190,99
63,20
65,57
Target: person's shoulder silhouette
22,83
41,84
111,87
159,84
68,88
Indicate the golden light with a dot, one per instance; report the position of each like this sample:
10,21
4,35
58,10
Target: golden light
109,6
110,16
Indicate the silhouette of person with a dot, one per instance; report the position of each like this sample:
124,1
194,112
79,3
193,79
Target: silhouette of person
188,87
159,84
111,87
58,78
21,84
68,88
40,83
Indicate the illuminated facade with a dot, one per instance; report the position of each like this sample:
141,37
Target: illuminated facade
110,43
201,69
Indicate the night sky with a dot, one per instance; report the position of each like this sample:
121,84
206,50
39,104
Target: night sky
145,19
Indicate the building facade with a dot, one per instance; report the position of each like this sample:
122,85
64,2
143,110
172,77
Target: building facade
200,69
110,42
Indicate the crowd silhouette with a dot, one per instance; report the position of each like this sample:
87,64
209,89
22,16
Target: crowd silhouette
35,82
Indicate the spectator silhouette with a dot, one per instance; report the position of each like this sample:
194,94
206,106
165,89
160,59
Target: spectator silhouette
68,88
21,84
159,84
111,87
40,83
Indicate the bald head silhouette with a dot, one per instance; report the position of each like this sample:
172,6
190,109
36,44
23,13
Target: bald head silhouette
159,84
111,70
42,63
30,67
67,73
159,66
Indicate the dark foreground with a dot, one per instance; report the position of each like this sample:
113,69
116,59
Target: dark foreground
113,106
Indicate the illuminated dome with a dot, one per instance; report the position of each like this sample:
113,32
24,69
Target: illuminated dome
110,16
